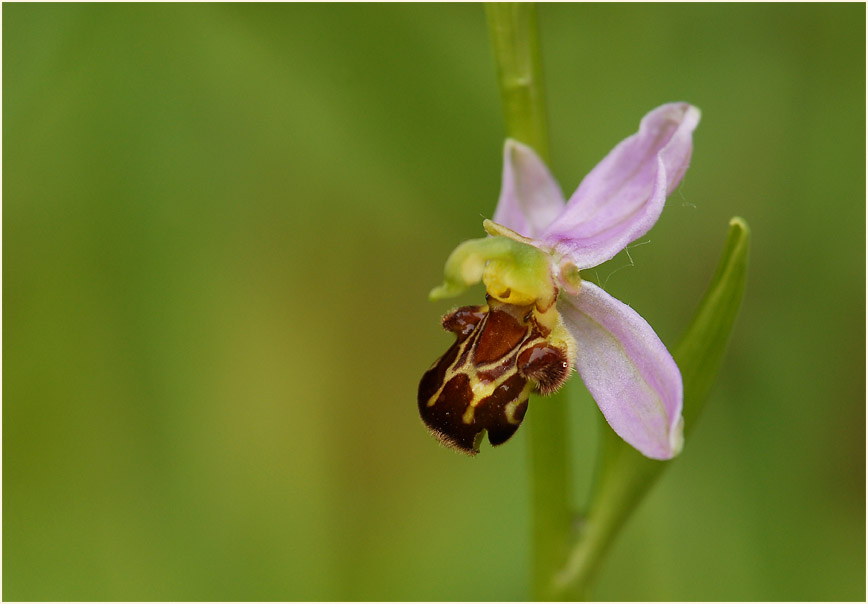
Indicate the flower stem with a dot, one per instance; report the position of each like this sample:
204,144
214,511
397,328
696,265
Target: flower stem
550,493
514,38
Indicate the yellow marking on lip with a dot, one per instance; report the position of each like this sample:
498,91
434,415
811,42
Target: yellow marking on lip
449,373
482,389
512,406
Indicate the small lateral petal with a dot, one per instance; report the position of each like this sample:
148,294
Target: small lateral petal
530,198
623,196
627,370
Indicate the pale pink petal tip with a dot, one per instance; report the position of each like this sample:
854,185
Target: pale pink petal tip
623,196
627,370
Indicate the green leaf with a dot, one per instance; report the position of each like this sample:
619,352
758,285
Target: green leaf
624,475
701,350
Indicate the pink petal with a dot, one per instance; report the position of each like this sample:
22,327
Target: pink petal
530,198
627,369
623,196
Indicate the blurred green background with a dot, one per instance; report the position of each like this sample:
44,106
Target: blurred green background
221,225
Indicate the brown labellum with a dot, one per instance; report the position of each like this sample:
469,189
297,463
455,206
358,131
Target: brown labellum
483,382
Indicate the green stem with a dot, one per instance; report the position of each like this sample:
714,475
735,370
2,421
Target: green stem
514,38
550,492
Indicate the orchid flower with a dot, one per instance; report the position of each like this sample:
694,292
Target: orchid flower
541,320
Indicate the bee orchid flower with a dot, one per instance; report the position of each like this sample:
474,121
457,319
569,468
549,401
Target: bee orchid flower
541,320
